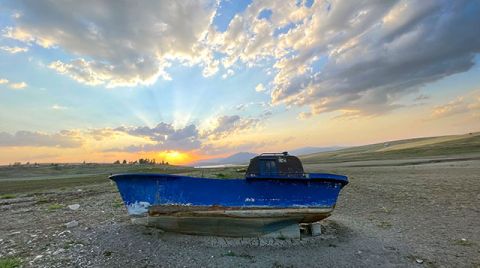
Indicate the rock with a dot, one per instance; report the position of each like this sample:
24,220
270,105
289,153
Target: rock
58,251
64,233
37,257
74,206
316,229
71,224
419,261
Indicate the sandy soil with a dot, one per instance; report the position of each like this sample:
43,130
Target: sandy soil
409,215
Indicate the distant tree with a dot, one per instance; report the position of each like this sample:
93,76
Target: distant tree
117,162
28,163
166,163
124,161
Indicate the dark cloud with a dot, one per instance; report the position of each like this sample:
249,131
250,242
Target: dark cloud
374,60
422,97
64,139
164,136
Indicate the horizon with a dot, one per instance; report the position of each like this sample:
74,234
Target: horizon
205,160
196,80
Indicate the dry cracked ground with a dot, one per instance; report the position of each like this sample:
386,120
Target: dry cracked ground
392,214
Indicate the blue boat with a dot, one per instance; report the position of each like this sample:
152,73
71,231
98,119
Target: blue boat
275,193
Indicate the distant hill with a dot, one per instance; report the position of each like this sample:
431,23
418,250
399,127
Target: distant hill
244,157
453,145
234,159
312,150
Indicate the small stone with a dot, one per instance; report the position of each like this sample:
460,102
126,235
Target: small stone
58,251
64,233
71,224
419,261
37,257
74,206
316,229
464,240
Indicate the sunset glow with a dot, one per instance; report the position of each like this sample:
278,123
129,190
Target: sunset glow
175,157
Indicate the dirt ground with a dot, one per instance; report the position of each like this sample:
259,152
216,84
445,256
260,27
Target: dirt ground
392,214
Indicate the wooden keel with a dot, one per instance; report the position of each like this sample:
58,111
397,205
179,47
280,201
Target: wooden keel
245,222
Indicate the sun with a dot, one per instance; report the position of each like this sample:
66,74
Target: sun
175,157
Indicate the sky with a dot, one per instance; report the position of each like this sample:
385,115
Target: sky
180,81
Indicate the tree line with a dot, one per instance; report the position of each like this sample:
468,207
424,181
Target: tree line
141,161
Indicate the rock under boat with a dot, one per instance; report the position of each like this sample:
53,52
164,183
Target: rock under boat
275,193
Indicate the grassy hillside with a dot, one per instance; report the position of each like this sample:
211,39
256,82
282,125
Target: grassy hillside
26,178
444,146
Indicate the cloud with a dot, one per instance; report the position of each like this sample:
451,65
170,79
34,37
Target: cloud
163,137
229,72
362,58
20,85
63,139
228,125
422,97
116,43
304,115
58,107
460,105
14,50
260,88
244,106
357,59
376,57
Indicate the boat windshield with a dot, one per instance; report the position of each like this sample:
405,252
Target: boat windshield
268,167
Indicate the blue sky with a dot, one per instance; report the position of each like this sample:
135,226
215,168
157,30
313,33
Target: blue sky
203,78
